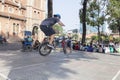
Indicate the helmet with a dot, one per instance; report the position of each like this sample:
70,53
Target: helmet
57,15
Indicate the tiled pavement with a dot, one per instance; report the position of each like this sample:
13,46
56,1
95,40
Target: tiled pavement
10,46
15,65
75,66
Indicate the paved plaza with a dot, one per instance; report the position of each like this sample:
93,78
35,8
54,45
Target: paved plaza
17,65
10,46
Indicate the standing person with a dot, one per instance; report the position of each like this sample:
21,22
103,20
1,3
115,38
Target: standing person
47,27
69,43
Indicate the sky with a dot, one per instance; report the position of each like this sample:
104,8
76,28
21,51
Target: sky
69,11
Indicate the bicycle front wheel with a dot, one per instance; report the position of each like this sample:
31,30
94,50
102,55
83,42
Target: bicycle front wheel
44,50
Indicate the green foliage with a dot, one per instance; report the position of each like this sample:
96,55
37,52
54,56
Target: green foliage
94,38
58,29
113,26
103,38
113,10
75,36
117,39
94,17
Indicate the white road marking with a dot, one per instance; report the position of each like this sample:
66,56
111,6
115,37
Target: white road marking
117,74
5,77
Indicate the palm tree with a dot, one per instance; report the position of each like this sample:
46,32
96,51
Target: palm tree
50,8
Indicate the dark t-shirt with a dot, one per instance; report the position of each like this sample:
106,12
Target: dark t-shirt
50,21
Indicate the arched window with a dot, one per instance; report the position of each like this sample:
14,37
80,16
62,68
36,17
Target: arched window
14,29
35,30
17,29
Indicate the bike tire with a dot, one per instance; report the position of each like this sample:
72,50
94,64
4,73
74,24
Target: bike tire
65,49
44,50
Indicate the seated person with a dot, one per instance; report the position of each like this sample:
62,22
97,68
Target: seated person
111,48
27,40
106,49
77,46
100,49
90,48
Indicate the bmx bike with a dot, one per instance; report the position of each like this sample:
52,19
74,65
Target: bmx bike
45,50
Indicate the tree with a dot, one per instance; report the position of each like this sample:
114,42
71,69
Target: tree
96,14
50,8
113,10
82,14
114,26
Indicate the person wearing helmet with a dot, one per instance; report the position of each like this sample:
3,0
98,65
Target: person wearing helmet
46,26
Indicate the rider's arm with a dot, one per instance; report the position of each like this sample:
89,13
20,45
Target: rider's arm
60,23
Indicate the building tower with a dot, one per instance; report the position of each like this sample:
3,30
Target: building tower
34,15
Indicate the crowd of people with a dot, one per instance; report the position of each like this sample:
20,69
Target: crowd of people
111,47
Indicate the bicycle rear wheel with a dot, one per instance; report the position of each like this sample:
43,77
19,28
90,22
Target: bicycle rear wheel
44,50
67,49
64,50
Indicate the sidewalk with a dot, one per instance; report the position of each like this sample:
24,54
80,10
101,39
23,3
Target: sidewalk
10,46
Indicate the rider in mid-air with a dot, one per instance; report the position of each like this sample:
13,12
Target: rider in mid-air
47,27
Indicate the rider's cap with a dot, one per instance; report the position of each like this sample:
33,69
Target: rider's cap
57,15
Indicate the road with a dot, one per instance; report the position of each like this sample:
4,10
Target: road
17,65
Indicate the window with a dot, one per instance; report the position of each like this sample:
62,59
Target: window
19,12
34,11
14,29
35,30
13,1
5,6
22,12
17,29
0,7
3,1
10,9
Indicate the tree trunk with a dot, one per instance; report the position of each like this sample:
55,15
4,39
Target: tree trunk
84,21
99,35
50,8
118,21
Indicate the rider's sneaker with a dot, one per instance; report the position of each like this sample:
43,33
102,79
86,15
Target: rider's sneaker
51,46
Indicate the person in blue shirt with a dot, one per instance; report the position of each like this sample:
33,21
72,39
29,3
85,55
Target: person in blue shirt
47,27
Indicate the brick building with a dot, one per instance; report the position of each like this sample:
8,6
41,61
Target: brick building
16,16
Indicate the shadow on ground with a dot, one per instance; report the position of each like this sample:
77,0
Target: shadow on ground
32,66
